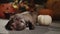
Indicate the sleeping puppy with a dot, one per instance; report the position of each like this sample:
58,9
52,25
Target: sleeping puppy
20,21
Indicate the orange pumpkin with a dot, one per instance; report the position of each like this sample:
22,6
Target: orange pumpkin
6,7
45,12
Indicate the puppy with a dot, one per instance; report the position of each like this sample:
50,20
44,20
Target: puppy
19,21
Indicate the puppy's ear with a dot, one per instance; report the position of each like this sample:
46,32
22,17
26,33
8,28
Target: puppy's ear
8,25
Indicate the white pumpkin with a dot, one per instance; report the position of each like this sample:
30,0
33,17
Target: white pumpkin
44,19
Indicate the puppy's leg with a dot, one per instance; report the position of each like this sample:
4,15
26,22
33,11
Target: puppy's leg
31,26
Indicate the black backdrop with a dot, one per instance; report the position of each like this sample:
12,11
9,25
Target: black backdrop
40,1
35,1
6,1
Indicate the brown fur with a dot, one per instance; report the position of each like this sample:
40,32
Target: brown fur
20,21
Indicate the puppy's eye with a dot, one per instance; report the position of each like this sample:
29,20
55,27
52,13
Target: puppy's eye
11,25
21,21
17,19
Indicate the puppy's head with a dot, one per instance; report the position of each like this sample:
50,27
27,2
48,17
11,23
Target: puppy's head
16,24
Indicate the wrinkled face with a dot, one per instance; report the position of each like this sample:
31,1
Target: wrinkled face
18,24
